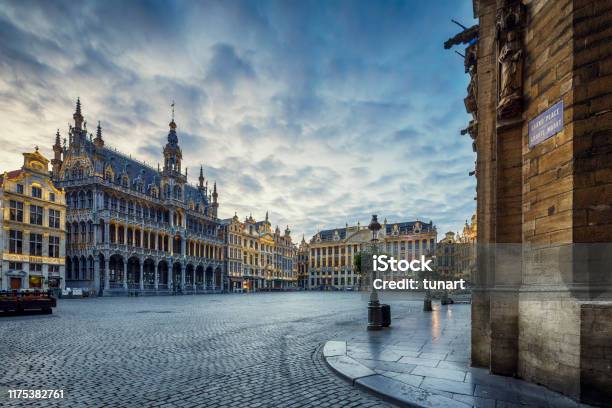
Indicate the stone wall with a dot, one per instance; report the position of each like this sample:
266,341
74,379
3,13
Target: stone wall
541,307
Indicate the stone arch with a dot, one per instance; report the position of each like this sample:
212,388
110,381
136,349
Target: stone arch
82,268
68,268
189,275
103,270
82,232
218,278
149,272
116,270
176,244
200,275
176,274
162,269
90,268
133,271
208,278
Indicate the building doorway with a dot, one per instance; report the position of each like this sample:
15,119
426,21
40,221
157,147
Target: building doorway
15,283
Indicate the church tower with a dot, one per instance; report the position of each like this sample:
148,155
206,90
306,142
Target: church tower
56,163
172,179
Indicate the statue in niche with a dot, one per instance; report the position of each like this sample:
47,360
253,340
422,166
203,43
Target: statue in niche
510,59
511,78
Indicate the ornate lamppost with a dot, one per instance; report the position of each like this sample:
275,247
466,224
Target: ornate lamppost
427,300
374,308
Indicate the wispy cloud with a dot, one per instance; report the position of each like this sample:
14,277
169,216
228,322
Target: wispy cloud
319,112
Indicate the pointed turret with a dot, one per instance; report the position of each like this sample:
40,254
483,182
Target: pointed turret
78,117
201,178
98,141
56,163
172,152
287,231
215,203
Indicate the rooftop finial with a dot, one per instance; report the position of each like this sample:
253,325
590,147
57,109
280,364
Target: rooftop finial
78,105
172,123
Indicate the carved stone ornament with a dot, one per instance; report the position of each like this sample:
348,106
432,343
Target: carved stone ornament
471,105
509,30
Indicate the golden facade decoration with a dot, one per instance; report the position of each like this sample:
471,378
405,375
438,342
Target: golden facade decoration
33,235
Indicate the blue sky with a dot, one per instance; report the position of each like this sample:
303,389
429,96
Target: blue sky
321,112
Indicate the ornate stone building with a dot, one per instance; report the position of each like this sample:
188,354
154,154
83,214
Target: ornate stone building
257,257
131,227
332,251
446,256
466,250
302,264
33,235
540,99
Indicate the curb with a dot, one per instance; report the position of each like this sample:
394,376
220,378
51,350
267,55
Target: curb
396,392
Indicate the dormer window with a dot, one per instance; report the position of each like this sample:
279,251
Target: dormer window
36,192
125,181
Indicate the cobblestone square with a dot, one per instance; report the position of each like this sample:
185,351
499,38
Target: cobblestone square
184,351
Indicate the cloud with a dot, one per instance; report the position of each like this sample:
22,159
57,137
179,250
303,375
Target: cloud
226,68
321,113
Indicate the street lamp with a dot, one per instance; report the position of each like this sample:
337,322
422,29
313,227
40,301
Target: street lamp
427,300
374,309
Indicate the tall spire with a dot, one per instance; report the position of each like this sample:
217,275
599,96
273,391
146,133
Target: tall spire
266,216
56,163
201,178
78,117
58,142
98,141
215,204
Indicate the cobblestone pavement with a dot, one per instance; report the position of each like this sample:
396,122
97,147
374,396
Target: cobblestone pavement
256,350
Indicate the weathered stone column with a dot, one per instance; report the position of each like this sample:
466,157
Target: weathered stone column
125,272
141,275
106,273
156,276
97,274
170,272
182,275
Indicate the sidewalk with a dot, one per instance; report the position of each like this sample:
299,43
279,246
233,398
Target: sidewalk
423,361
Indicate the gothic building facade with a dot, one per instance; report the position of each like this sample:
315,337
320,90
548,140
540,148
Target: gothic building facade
131,227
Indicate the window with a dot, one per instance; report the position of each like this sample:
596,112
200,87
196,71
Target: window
54,218
36,192
16,211
35,267
20,188
36,215
35,244
54,247
52,197
15,242
15,266
53,269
